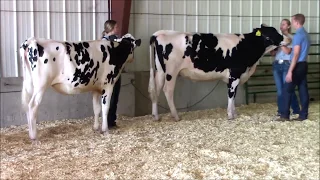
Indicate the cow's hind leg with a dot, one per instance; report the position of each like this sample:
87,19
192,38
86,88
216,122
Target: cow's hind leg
96,109
33,112
232,91
26,95
105,101
159,81
168,89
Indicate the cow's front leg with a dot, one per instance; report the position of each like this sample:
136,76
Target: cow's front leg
232,91
234,108
105,102
168,89
96,109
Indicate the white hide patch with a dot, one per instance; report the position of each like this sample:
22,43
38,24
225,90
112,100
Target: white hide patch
231,108
170,32
198,46
234,84
199,75
128,35
269,49
246,75
227,42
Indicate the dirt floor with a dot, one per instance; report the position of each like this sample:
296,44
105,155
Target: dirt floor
204,145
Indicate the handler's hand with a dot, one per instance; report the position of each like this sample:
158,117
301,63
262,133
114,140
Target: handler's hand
289,77
286,41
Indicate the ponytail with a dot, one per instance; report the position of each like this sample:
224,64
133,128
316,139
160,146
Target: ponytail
103,33
289,30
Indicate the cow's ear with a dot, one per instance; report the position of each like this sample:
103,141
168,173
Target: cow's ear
255,29
263,25
138,42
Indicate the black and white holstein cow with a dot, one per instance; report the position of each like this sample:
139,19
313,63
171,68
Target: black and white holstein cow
231,58
73,68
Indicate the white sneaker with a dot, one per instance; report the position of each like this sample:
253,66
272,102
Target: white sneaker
294,116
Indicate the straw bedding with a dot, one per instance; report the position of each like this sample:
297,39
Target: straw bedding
204,145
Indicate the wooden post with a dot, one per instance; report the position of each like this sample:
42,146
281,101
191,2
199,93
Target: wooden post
120,12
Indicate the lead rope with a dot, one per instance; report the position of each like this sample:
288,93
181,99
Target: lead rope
176,108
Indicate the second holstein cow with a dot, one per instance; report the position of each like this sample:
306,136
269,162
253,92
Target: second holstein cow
73,68
231,58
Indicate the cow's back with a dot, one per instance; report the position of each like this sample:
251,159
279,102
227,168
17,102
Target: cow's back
207,56
70,67
44,57
170,32
85,65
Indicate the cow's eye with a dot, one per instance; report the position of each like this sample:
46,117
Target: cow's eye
267,38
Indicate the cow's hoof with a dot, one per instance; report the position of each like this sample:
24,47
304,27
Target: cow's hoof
232,116
105,134
176,119
155,117
35,142
95,128
235,116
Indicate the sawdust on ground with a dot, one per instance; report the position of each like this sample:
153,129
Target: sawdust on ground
204,145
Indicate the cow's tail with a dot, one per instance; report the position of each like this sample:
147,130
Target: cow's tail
152,84
27,87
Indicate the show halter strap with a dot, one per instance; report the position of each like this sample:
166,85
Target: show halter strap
258,33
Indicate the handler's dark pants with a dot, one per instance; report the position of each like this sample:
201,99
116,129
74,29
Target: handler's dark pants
112,115
299,78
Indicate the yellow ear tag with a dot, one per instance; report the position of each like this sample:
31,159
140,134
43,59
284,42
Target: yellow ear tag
258,33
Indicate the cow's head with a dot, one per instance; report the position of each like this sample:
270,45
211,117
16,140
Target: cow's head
128,39
270,35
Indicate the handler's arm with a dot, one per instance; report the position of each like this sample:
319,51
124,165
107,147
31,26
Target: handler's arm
296,52
286,49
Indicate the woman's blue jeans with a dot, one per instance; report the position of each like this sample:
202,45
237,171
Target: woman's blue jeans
279,75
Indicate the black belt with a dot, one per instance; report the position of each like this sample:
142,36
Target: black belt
302,62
